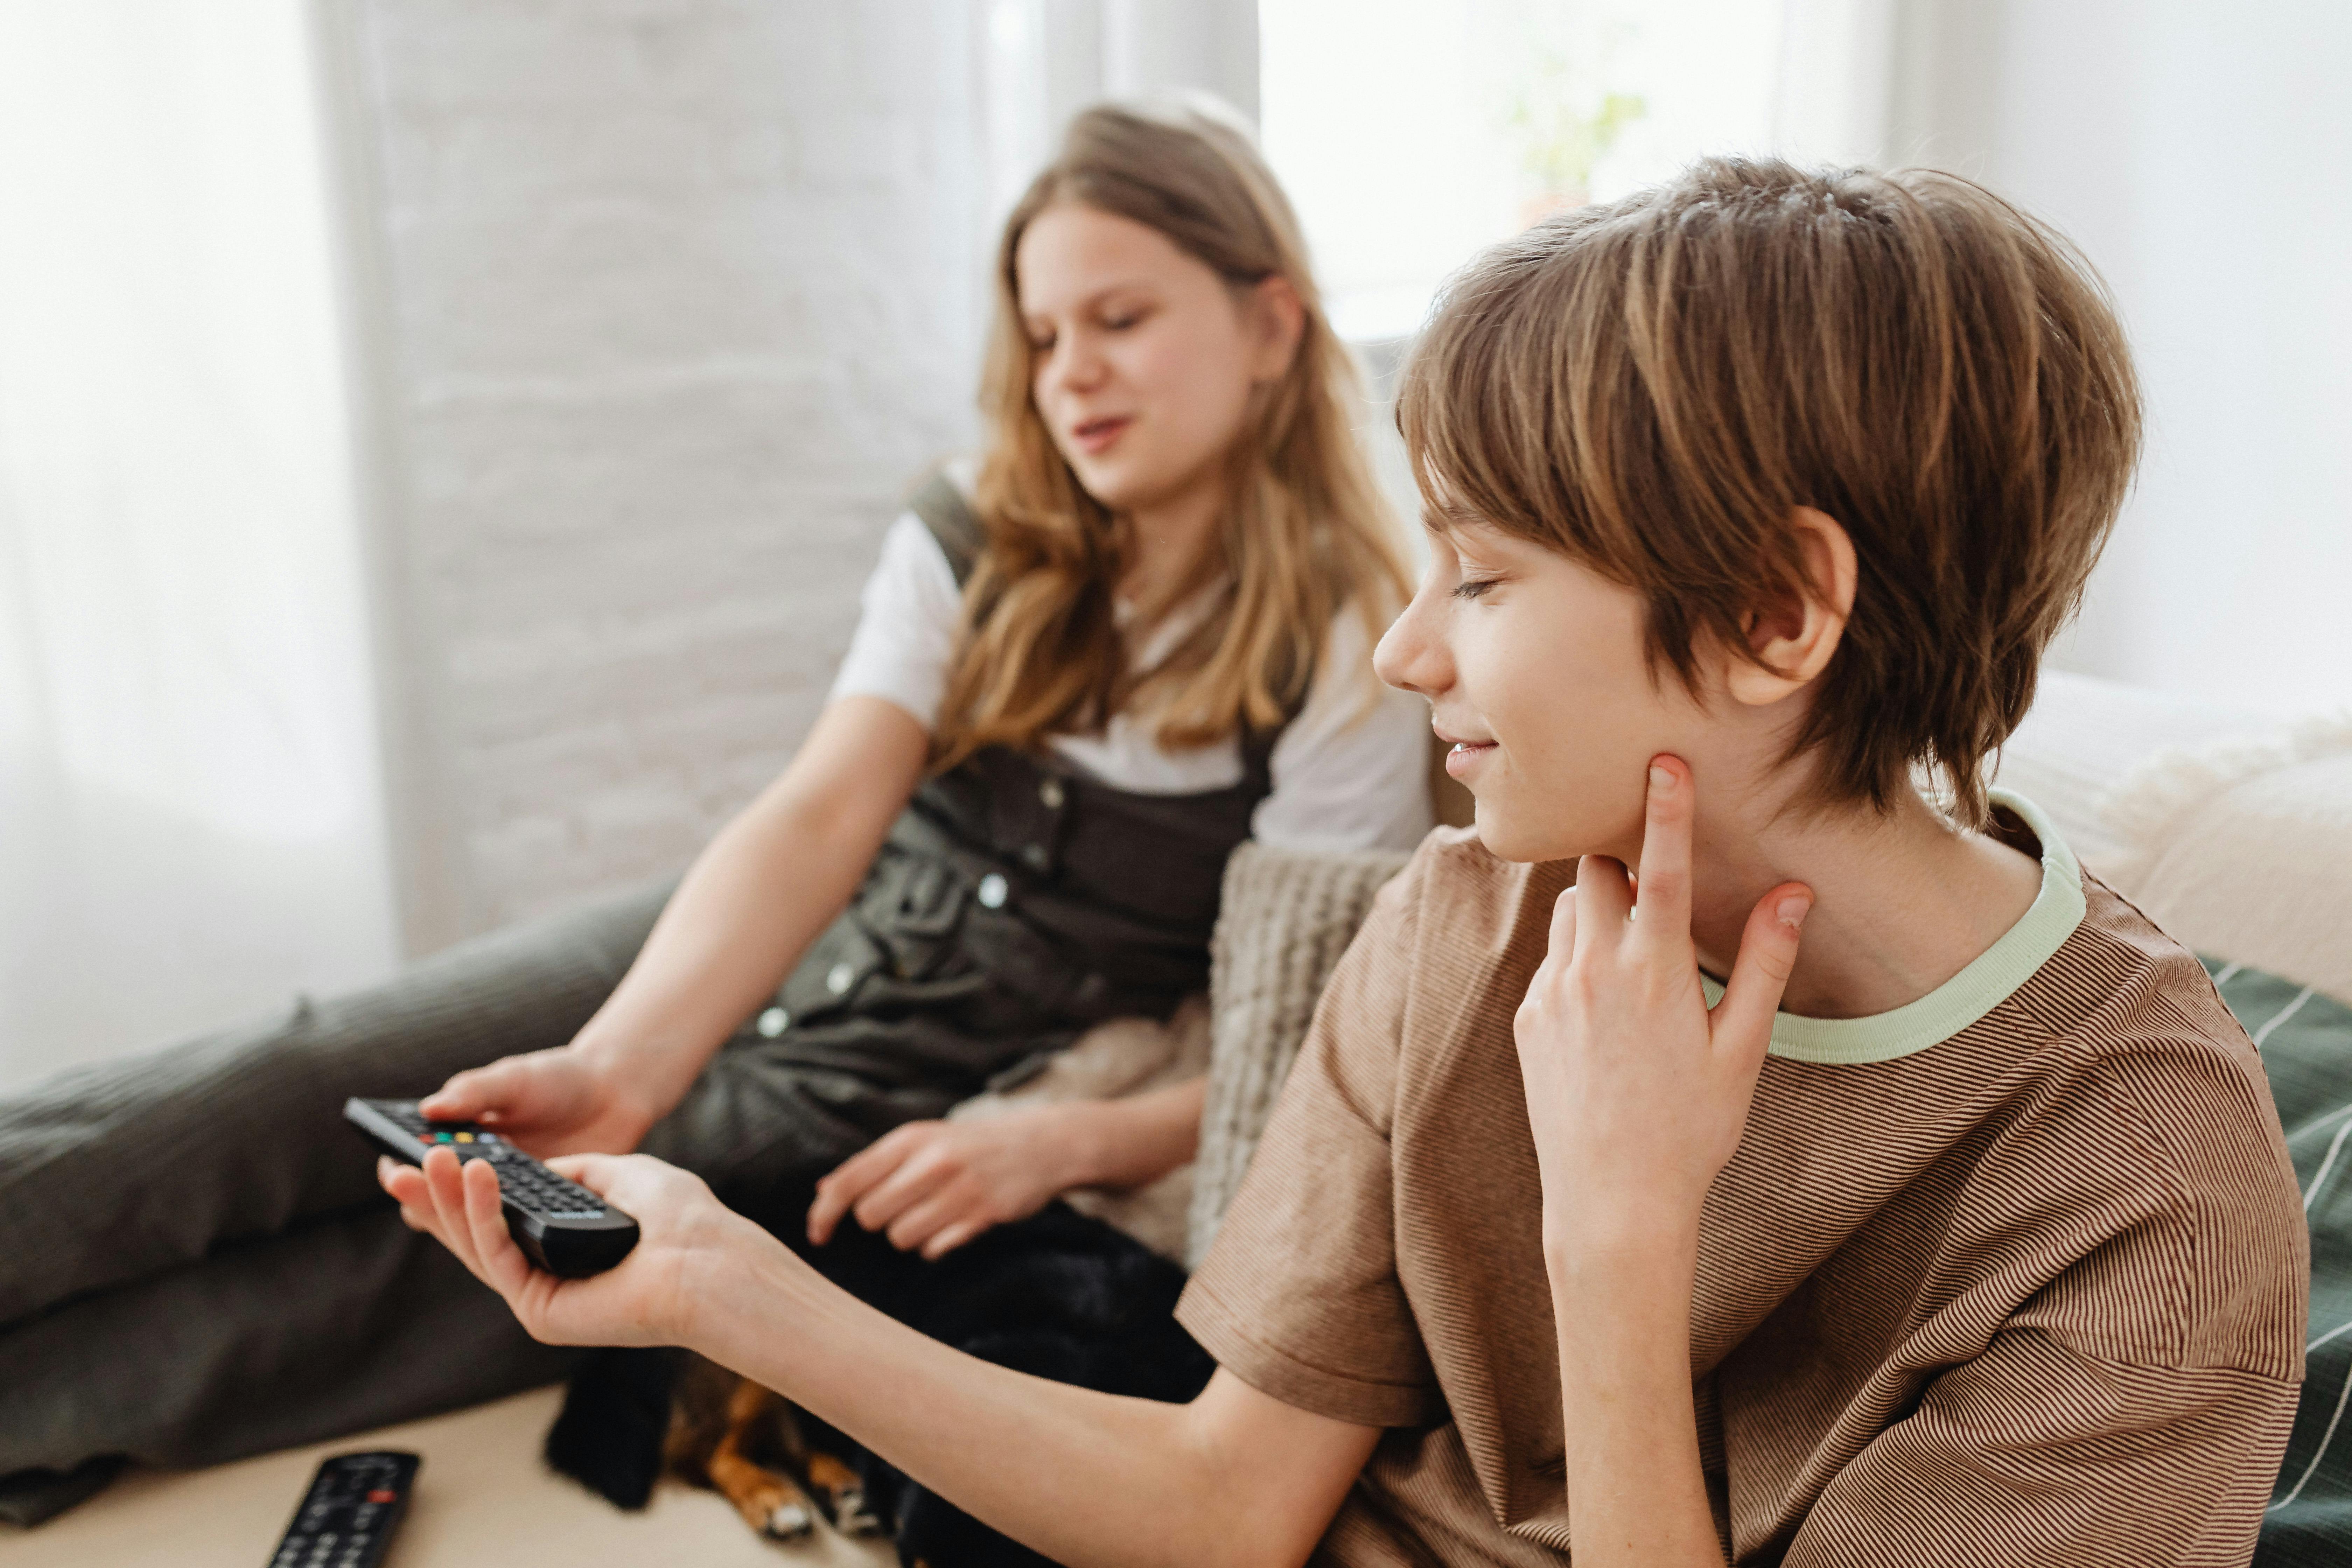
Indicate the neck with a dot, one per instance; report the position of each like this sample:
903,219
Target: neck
1170,539
1902,902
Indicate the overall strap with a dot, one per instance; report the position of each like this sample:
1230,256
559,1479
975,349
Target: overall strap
953,523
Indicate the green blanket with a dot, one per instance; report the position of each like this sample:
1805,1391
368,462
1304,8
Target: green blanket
2306,1039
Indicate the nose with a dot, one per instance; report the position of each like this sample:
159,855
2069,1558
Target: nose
1413,656
1074,365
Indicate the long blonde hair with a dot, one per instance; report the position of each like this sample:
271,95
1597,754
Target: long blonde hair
1305,530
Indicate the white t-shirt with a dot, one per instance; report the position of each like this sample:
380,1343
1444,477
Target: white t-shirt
1349,772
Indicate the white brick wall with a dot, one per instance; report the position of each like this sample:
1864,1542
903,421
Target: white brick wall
671,300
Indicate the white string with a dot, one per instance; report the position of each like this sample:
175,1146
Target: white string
2282,1015
2333,1149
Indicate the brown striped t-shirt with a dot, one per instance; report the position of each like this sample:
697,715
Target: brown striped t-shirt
2015,1274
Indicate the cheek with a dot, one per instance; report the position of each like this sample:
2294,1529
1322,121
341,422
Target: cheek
1578,719
1196,384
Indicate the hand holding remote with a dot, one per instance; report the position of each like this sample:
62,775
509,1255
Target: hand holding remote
562,1227
556,1101
687,1238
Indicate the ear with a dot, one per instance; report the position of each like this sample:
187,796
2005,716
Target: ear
1792,634
1280,319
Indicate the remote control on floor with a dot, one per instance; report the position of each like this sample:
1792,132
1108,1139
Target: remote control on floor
347,1518
561,1226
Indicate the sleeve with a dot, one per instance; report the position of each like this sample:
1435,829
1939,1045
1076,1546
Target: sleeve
1352,770
2135,1409
1298,1296
905,626
2031,1452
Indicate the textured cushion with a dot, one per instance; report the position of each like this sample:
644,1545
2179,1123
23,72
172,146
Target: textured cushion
1286,917
2085,734
1111,1061
2244,850
2305,1040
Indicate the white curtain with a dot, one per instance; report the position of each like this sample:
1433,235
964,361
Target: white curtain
190,818
1044,59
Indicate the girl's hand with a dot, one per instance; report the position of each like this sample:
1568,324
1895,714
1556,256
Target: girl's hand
934,1185
556,1101
685,1234
1637,1094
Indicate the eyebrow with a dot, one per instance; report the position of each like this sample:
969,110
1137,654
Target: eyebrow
1094,300
1436,517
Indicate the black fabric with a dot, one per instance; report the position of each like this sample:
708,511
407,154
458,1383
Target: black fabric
1058,1296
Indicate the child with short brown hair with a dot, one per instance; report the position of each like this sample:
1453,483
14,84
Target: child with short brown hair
1599,1205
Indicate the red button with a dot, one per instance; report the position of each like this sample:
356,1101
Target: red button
380,1495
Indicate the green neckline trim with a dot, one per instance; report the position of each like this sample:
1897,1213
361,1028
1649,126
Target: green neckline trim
1984,984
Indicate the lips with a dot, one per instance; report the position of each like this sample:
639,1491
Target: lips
1094,436
1464,755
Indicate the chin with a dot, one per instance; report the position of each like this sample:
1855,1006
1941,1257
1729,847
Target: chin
1124,486
1506,838
1113,484
1534,835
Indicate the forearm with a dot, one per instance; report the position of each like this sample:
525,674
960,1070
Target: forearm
1128,1143
1086,1478
726,940
1635,1492
759,893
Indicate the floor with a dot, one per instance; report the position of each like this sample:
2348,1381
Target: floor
482,1495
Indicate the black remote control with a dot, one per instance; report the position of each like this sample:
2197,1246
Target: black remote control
561,1226
347,1518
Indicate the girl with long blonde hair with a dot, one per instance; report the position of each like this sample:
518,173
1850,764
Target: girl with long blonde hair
1135,634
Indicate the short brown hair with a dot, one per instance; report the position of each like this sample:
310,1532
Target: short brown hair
1654,385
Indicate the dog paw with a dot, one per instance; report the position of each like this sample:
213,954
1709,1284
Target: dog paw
789,1522
850,1516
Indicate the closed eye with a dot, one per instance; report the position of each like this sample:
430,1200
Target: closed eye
1473,588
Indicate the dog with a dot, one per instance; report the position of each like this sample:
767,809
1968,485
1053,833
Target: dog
1059,1295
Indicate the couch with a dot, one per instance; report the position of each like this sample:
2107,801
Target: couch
2233,831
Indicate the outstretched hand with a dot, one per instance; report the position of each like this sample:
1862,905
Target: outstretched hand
1636,1093
685,1235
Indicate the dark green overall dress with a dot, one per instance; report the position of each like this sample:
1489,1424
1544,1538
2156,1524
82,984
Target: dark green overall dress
1015,903
195,1262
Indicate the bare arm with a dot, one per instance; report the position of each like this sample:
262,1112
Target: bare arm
1235,1477
752,902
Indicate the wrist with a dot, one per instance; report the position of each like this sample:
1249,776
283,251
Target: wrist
1078,1147
739,1265
1621,1245
630,1076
